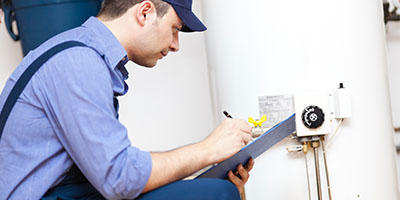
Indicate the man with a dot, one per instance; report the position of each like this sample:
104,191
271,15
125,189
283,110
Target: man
63,139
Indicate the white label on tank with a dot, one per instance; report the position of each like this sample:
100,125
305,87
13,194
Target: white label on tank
276,108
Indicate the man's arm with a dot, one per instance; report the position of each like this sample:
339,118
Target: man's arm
77,95
226,140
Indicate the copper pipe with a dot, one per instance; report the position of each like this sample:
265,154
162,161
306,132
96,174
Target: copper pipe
315,145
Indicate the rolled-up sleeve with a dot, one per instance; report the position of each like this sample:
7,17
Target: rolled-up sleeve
79,103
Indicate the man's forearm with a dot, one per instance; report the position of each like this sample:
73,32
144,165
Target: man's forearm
176,164
226,140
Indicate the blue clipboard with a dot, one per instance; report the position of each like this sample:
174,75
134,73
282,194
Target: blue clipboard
252,150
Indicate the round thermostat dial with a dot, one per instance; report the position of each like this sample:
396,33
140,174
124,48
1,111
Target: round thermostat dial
313,117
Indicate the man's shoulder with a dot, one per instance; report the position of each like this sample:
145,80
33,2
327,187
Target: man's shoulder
79,34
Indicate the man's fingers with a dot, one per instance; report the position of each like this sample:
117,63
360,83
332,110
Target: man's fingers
243,126
243,173
237,181
234,179
246,129
247,138
250,164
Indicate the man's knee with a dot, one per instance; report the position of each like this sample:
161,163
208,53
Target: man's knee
224,190
198,189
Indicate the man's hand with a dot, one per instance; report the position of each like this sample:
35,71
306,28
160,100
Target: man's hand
227,139
241,176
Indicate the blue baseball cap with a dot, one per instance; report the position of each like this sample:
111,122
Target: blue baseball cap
183,9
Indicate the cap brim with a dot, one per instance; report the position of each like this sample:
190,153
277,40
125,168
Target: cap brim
189,19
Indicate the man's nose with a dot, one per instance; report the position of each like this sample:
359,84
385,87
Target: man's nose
174,47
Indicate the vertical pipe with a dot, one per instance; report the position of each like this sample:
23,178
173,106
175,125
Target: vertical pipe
315,146
308,178
305,151
326,168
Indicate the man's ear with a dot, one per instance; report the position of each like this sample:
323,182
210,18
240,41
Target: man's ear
145,11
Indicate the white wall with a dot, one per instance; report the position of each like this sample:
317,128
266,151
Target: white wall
167,106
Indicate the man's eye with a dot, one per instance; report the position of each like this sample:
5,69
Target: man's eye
177,29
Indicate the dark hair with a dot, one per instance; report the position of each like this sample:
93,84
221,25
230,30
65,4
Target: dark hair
7,2
112,9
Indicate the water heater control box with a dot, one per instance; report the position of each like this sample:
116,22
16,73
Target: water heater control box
313,113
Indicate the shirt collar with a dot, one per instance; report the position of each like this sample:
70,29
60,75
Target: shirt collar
107,45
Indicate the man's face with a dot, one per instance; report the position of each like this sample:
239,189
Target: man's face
162,37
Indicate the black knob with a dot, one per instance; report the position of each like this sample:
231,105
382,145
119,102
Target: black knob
313,117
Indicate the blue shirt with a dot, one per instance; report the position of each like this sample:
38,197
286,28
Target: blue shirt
66,115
